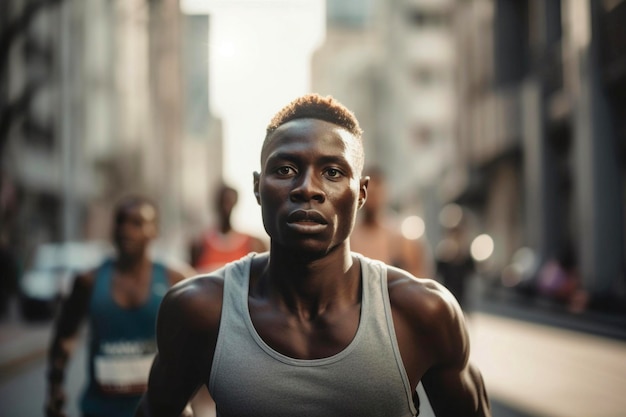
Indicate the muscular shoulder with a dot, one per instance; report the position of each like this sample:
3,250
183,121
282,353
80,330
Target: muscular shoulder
195,303
420,297
430,312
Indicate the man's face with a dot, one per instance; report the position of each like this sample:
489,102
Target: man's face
133,228
309,187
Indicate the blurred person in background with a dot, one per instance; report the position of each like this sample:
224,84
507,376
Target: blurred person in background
9,275
121,299
311,328
221,243
559,280
454,262
378,236
9,263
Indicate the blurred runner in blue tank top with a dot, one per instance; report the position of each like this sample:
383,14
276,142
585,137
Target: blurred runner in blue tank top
121,299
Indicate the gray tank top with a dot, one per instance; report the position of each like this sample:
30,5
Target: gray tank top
366,379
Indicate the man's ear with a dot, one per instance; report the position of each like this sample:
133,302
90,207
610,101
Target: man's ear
364,182
256,177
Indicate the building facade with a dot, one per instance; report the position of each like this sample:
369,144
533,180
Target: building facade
541,139
94,107
392,63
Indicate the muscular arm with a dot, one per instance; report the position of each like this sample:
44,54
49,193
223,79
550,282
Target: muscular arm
434,345
455,386
73,311
186,334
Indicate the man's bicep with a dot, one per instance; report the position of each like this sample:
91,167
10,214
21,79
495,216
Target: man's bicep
184,345
454,386
457,391
168,391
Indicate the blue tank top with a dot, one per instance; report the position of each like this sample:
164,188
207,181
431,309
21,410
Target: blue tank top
122,345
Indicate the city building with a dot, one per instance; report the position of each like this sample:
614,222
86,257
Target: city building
100,99
392,63
541,133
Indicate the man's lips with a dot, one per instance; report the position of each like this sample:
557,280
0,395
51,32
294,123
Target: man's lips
306,216
306,221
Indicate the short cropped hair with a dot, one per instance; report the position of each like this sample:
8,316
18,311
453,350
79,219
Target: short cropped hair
134,200
314,106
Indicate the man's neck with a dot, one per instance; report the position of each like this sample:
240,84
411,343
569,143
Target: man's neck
225,226
309,283
130,265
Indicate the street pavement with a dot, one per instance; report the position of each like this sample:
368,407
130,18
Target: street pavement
546,371
531,369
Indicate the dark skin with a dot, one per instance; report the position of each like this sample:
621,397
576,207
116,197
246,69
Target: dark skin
134,228
305,294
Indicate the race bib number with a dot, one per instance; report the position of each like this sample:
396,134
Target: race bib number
123,373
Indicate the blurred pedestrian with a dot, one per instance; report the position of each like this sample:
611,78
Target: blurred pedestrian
9,275
454,261
311,328
377,234
559,280
121,299
221,243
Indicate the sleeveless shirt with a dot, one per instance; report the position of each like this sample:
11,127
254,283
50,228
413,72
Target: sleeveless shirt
122,345
366,379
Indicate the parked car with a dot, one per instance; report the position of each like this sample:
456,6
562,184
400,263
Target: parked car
51,273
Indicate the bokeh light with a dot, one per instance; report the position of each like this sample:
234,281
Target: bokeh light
482,247
413,227
451,216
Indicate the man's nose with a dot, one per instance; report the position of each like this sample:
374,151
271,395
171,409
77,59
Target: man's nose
308,188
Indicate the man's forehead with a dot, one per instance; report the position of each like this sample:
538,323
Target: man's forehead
311,130
145,210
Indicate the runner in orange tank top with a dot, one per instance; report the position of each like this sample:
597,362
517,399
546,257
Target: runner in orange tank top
218,249
222,244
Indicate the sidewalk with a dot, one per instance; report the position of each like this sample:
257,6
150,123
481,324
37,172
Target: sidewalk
21,342
546,371
508,303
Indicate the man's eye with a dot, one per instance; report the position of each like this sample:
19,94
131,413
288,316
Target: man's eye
333,173
283,170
